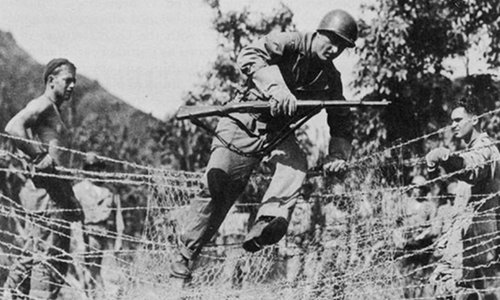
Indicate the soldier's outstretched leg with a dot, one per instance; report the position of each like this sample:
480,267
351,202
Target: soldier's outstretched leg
226,177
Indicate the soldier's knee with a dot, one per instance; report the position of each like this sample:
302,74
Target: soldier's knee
218,181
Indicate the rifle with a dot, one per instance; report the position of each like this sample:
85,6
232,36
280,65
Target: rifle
200,111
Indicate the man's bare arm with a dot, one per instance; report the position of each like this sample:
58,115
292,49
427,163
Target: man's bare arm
19,124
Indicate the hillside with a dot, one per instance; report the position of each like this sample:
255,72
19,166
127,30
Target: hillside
21,80
98,121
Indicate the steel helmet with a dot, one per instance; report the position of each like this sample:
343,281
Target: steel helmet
342,24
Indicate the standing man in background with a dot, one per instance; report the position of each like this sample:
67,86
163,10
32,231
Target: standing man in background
45,260
478,166
281,68
99,204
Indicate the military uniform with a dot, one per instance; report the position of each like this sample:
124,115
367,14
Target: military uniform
44,261
98,204
479,230
228,172
481,240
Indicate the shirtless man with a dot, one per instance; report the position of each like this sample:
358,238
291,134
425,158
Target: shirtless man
49,238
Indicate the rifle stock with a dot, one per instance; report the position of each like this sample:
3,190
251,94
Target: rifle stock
200,111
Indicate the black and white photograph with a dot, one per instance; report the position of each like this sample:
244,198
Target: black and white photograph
249,150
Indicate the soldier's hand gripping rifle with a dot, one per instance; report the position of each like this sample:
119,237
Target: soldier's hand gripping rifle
200,111
311,107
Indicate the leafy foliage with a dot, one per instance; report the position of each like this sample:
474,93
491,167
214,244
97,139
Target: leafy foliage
403,55
187,146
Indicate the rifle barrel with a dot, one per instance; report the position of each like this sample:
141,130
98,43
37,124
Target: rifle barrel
341,103
200,111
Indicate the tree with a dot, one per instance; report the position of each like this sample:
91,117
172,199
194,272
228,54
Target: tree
186,145
403,53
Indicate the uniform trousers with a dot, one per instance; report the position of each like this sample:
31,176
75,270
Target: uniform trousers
228,172
40,269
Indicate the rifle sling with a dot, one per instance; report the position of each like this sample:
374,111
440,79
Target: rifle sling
242,126
225,143
287,130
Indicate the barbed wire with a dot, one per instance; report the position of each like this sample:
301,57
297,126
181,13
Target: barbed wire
62,223
422,137
155,176
141,241
45,258
100,157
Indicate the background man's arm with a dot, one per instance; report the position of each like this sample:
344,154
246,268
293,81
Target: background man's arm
477,164
473,166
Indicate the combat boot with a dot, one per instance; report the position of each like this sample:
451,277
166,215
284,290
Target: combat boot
267,230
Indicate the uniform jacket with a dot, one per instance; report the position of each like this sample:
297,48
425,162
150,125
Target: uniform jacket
482,164
482,172
303,74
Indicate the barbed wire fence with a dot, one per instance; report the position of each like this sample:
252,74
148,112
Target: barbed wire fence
365,246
